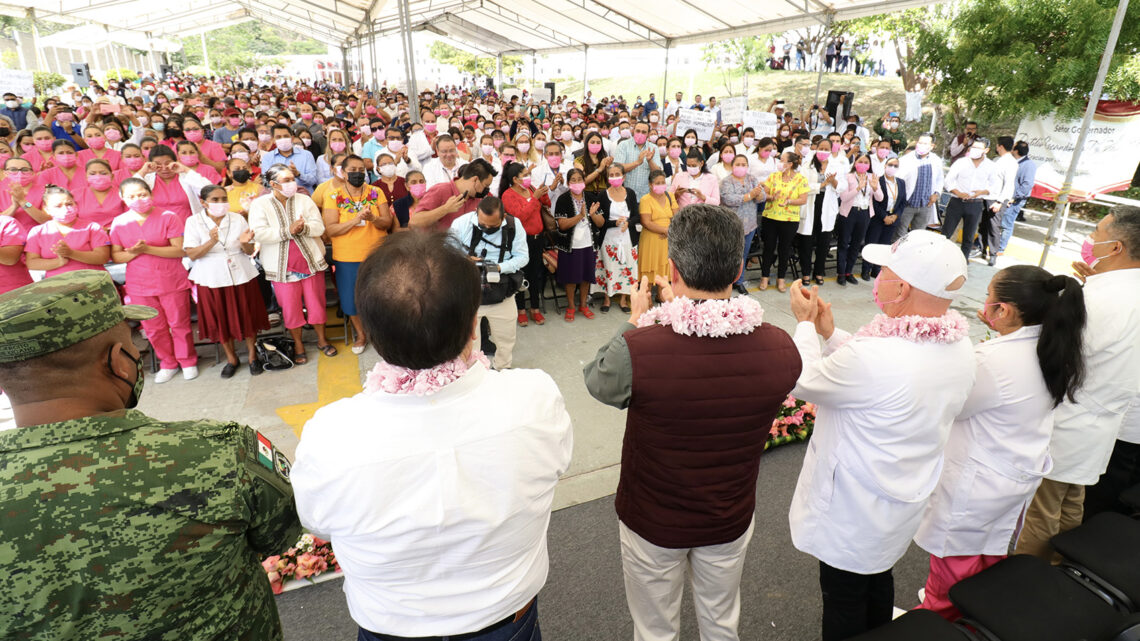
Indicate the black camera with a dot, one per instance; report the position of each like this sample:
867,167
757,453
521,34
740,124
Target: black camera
491,272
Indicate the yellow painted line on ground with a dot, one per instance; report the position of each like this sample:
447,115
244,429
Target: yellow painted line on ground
337,377
1030,253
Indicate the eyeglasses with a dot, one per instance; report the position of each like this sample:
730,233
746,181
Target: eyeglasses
23,170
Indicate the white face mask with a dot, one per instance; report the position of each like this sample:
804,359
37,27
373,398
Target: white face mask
976,153
689,142
694,171
387,171
922,148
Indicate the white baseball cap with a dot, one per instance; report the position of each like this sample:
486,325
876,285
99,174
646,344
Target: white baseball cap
925,259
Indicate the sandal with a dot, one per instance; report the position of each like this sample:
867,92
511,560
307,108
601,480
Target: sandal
819,280
763,284
328,350
806,281
781,287
569,315
539,319
586,311
300,359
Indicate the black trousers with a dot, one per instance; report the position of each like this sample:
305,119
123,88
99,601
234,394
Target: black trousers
854,603
818,243
535,273
778,236
878,234
1123,472
967,212
990,228
851,239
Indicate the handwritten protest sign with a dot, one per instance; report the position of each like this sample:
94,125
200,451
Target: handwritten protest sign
700,121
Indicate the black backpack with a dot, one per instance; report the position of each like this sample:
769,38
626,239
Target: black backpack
494,293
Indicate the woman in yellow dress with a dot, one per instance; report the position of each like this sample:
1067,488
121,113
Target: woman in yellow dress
656,210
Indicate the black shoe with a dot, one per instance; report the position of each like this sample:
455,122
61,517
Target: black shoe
819,280
851,279
255,367
229,370
866,277
992,260
975,253
604,308
742,288
841,281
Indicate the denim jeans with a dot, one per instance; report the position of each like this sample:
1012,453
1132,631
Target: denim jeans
747,245
1008,219
525,629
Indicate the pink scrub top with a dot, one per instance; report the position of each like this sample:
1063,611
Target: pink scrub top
151,275
82,236
12,276
100,213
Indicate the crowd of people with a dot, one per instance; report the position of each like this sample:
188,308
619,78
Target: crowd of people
228,196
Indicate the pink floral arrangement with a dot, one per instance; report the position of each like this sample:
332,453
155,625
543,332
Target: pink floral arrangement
392,379
794,423
311,557
715,317
951,327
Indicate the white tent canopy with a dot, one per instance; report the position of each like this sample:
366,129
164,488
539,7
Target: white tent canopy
491,26
95,37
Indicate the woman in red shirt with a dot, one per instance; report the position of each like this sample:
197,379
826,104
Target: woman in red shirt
525,203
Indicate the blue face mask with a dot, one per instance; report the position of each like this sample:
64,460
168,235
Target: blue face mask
158,126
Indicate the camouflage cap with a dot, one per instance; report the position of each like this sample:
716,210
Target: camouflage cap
60,311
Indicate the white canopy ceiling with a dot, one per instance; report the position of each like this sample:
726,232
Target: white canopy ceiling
94,37
491,26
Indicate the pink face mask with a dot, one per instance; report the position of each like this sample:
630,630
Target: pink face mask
640,138
24,179
862,167
836,147
306,116
594,147
113,135
823,156
739,171
577,188
417,191
141,205
395,146
658,189
234,123
134,164
44,145
337,146
554,161
882,153
875,292
65,160
526,182
727,156
891,170
99,182
190,160
429,127
194,135
675,153
765,153
615,181
97,142
65,215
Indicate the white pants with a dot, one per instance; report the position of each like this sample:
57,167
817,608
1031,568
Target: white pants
503,319
654,580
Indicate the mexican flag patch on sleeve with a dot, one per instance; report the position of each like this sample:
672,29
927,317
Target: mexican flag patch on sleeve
264,451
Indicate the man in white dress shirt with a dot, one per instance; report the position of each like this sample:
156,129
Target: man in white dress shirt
1006,174
970,179
921,170
1085,432
445,166
876,454
435,484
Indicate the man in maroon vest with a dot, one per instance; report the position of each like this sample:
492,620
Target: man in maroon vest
703,377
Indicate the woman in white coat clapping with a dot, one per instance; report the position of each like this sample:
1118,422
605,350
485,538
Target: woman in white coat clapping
998,449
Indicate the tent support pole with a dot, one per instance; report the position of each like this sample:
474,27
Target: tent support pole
153,58
822,49
585,70
665,80
375,75
344,75
1094,99
205,51
409,62
499,72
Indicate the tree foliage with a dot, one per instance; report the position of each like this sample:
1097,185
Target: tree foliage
470,63
1012,58
902,29
45,81
247,45
748,54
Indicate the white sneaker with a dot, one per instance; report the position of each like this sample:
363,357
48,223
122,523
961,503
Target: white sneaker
189,373
359,349
164,375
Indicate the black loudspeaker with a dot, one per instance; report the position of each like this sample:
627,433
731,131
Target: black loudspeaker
164,70
550,86
81,73
490,83
833,102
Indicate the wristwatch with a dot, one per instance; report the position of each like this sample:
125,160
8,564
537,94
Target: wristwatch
27,204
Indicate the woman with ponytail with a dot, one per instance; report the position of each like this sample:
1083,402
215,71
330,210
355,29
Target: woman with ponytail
998,449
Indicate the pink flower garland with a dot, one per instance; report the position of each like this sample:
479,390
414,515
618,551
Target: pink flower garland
948,328
715,317
392,379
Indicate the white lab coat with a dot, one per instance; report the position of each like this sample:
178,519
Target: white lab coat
997,453
876,453
1084,432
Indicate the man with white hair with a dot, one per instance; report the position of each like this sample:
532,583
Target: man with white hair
882,423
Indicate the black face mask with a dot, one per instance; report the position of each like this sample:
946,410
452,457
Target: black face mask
173,132
355,178
4,132
241,175
136,385
490,230
483,194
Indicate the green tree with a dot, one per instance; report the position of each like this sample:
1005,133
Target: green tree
1013,58
902,29
248,45
747,54
468,62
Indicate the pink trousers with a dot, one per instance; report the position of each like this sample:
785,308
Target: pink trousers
169,333
300,297
944,573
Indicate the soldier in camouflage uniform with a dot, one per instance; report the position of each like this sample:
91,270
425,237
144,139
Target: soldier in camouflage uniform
115,525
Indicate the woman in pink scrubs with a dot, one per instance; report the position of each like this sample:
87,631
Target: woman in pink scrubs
149,240
19,197
41,154
189,156
173,182
67,173
132,159
66,243
97,147
13,271
99,200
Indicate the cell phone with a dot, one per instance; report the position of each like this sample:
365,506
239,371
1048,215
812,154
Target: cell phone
110,108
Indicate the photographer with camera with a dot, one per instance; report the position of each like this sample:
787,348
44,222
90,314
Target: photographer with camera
497,244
